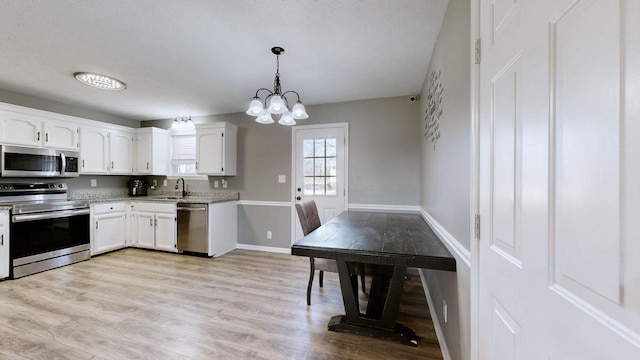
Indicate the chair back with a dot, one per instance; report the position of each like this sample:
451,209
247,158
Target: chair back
308,216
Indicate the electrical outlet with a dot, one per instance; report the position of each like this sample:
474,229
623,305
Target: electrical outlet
164,183
269,234
94,182
224,183
216,184
444,311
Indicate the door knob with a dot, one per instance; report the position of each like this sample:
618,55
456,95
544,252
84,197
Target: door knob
299,189
298,198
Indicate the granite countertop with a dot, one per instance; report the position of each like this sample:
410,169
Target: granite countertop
170,197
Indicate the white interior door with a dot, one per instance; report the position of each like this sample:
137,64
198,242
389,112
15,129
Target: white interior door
559,180
320,168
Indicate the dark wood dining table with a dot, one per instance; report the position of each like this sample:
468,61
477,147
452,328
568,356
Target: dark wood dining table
387,243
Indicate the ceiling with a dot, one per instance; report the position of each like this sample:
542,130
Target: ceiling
203,57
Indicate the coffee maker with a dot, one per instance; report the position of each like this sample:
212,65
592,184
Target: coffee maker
137,187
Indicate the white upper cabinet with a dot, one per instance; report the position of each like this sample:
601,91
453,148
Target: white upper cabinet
104,151
60,135
94,150
216,149
152,148
31,130
121,152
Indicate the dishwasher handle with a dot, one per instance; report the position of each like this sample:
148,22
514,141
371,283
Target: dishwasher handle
203,208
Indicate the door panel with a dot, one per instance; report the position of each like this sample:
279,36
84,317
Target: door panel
320,169
559,143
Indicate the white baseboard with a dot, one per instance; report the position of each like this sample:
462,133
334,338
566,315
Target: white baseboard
264,248
385,208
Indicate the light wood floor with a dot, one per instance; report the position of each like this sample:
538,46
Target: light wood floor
137,304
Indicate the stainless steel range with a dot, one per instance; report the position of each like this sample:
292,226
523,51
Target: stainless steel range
47,230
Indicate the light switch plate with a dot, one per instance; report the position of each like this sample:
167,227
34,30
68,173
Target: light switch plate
216,184
164,183
282,179
94,182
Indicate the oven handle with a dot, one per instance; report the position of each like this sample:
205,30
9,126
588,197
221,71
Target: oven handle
49,215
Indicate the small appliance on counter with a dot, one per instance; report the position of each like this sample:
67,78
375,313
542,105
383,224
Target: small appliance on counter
137,187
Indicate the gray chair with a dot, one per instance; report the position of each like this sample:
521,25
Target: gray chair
309,221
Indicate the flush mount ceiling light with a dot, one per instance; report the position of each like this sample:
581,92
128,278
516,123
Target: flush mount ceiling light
100,81
276,103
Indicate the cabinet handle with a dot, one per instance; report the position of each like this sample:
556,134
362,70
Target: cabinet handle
46,137
147,166
96,225
38,136
196,165
2,239
112,164
150,222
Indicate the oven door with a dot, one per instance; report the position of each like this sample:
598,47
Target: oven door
35,237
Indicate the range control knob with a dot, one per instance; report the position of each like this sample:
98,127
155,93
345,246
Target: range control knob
60,185
51,186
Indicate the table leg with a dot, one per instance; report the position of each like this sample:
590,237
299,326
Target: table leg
349,294
373,323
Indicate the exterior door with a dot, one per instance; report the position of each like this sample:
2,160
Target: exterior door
559,180
320,168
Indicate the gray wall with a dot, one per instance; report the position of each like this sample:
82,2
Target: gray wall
384,161
445,177
14,98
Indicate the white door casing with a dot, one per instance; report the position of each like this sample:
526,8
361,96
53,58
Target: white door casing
559,194
330,199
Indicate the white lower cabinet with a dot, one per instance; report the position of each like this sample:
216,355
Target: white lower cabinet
109,222
223,227
154,225
4,244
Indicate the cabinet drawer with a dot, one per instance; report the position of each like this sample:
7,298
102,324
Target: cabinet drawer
108,208
155,207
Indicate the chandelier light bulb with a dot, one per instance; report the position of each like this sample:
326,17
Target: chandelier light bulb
255,107
287,120
276,105
264,118
299,112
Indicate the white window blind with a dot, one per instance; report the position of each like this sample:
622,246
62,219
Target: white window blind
183,155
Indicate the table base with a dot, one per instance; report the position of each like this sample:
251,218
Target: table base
398,332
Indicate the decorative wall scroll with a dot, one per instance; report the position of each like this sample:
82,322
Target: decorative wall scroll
434,109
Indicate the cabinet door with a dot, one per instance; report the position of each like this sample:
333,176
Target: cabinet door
109,232
4,244
145,230
166,232
20,129
210,152
120,153
94,150
144,157
60,135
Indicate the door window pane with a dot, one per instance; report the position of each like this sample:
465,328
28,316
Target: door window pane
320,166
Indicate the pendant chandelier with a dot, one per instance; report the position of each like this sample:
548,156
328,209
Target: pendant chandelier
275,103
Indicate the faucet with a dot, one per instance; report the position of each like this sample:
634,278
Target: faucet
184,193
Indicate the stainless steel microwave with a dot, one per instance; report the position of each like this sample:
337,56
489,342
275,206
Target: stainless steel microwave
18,161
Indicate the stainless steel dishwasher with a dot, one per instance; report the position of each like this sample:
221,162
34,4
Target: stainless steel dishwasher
192,228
